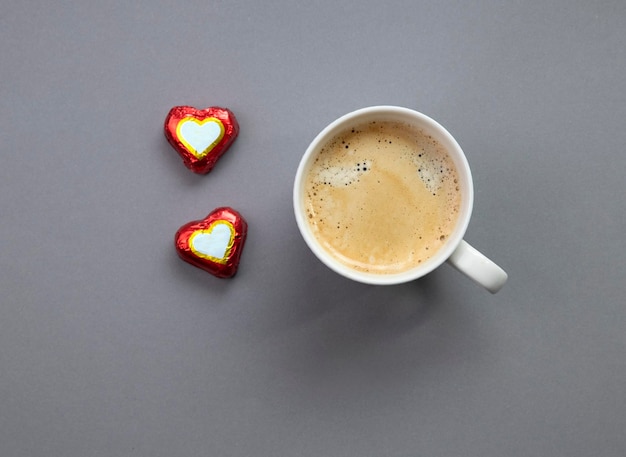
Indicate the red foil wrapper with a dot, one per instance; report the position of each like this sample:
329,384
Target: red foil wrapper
214,243
200,137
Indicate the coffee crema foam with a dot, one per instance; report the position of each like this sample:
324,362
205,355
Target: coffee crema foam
382,197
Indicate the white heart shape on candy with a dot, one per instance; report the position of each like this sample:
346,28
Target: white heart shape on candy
214,243
199,137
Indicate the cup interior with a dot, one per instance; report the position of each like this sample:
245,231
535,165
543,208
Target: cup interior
416,120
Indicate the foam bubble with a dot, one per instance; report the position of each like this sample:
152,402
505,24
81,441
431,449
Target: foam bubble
433,166
338,176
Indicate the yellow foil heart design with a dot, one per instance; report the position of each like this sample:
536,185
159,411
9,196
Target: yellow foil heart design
200,137
213,243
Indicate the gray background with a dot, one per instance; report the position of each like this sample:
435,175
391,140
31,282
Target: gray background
112,346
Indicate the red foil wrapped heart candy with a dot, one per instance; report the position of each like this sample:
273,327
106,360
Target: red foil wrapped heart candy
200,137
214,243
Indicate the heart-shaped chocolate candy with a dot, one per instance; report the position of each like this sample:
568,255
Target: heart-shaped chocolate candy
213,243
200,137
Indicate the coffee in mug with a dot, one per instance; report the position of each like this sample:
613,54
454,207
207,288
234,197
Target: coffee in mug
382,196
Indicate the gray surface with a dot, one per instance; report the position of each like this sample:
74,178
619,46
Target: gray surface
111,346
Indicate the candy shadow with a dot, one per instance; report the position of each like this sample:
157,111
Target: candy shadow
193,278
175,164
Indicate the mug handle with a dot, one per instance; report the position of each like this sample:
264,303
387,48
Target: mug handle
479,268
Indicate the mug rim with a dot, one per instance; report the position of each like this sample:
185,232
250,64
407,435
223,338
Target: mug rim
385,112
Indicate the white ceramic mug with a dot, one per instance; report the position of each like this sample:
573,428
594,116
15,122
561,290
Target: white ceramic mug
455,250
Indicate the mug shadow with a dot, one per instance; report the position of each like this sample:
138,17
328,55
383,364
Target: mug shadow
369,311
344,317
342,333
356,314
